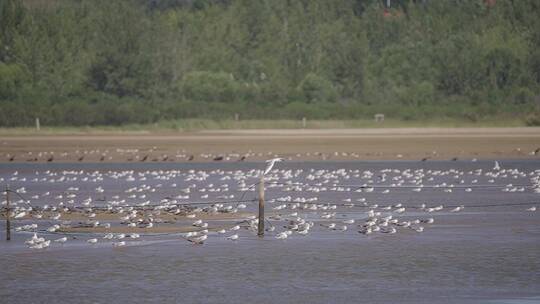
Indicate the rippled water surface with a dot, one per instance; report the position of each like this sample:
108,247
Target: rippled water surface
487,253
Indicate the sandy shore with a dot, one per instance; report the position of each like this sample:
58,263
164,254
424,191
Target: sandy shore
108,216
256,145
169,222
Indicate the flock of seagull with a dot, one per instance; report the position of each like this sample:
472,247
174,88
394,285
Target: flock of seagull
141,202
154,155
151,155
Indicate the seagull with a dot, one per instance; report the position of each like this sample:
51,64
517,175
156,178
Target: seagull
198,240
191,234
392,230
282,235
497,167
418,229
271,163
329,226
41,245
533,208
366,231
342,228
427,221
233,237
400,210
457,209
20,215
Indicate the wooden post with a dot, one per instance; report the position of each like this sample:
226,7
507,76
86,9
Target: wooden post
260,233
38,126
304,122
8,215
236,117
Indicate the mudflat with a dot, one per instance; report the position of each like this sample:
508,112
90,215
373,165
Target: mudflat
256,145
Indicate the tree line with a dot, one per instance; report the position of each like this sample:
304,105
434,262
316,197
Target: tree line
101,62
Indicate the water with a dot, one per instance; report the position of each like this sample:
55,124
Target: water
480,255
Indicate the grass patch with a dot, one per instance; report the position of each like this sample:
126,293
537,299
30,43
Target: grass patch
193,125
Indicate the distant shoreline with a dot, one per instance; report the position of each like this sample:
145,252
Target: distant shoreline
257,145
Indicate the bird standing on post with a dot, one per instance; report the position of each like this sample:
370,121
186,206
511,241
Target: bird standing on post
497,167
270,165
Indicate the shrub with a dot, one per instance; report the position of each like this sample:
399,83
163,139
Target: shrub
533,119
74,113
315,88
12,78
523,96
210,86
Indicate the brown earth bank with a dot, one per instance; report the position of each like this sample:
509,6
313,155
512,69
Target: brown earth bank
258,145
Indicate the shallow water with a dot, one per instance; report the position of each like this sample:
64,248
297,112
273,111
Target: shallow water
480,255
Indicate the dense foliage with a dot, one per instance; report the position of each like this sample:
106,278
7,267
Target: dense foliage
100,62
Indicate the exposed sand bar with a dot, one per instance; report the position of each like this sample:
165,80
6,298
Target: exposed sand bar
298,144
170,223
124,229
107,216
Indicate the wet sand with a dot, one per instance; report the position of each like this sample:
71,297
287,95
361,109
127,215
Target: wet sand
106,216
169,222
256,145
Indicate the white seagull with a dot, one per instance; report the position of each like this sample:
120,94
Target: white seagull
282,235
233,237
271,163
61,240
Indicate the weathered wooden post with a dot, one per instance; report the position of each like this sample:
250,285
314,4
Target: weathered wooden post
8,215
38,126
236,117
260,233
304,122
